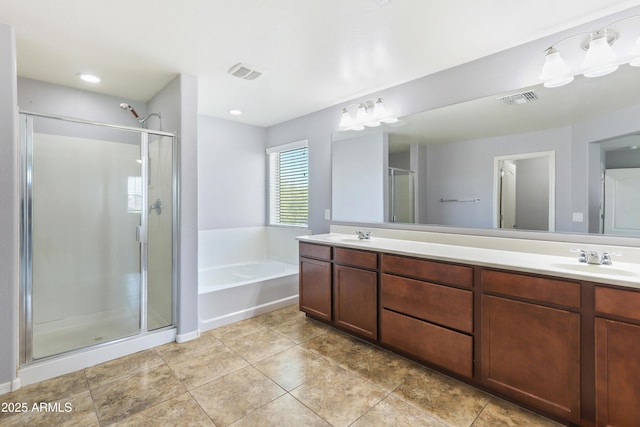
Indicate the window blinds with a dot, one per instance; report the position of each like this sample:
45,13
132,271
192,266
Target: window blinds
289,187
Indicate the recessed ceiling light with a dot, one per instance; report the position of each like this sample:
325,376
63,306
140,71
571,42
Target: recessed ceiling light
90,78
235,112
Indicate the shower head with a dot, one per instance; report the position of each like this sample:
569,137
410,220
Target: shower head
126,106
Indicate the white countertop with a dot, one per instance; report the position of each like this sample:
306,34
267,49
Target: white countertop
619,273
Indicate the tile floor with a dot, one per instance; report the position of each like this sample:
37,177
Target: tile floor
278,369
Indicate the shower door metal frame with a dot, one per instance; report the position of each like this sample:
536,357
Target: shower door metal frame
26,119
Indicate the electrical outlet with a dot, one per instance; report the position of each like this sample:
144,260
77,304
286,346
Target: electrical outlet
327,214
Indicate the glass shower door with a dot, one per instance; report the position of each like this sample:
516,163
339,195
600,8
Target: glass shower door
86,204
401,195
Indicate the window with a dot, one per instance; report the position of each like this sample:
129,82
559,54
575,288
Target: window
289,184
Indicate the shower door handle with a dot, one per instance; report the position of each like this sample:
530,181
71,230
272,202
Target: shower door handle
138,233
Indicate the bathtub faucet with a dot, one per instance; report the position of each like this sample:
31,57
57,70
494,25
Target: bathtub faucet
363,235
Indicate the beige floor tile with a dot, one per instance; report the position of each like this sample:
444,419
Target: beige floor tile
259,345
122,367
336,346
294,366
121,398
277,317
393,411
379,366
285,411
232,397
301,329
237,330
49,390
205,366
174,352
499,413
339,396
182,410
451,401
76,410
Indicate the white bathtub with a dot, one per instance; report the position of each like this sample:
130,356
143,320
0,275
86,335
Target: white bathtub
245,272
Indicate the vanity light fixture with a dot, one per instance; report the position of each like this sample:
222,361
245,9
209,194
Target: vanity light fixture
599,59
368,113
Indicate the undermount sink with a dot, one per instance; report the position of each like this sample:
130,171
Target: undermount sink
347,239
595,269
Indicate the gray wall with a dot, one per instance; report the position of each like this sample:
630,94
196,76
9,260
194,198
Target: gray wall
622,159
231,174
9,258
471,175
41,97
359,176
178,103
505,71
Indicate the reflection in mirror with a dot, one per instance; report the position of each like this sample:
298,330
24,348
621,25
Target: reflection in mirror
524,191
450,152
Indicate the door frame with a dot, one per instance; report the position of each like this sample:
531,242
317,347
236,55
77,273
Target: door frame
551,159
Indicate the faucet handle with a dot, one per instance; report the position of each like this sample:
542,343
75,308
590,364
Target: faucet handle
606,257
583,254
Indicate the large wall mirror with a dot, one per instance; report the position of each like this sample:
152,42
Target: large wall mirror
565,159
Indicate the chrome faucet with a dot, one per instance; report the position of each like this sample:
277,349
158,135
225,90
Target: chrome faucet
592,257
363,235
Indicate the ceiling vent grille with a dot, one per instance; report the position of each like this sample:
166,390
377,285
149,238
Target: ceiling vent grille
519,98
244,71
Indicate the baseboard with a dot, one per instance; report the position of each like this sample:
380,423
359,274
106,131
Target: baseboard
180,338
10,386
247,313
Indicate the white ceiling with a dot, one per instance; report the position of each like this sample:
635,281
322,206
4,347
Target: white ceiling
314,53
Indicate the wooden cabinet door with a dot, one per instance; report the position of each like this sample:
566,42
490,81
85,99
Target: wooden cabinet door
356,300
532,353
315,287
617,373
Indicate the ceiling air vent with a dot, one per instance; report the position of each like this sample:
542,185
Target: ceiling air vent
519,98
244,71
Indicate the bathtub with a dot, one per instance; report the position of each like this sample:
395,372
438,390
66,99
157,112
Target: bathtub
245,272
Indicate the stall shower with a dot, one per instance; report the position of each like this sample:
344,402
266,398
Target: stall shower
99,210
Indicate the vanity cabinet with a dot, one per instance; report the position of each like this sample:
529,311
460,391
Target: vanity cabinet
426,311
617,352
355,291
566,348
530,341
315,280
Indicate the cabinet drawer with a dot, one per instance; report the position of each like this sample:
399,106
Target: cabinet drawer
356,258
428,270
551,291
446,306
440,346
315,251
618,302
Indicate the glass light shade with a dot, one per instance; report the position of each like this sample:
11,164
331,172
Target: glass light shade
379,111
635,54
362,116
555,72
599,60
345,121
